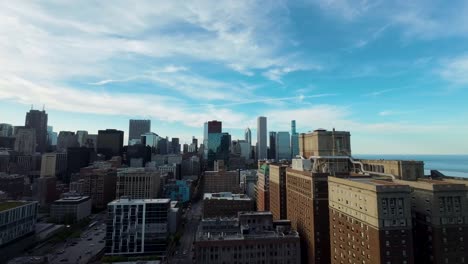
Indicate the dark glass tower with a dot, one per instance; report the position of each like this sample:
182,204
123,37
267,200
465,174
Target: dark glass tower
38,120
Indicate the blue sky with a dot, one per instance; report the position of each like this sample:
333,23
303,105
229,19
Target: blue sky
394,73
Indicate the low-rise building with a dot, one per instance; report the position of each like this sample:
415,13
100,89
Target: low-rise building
221,181
225,204
70,209
252,237
17,219
12,185
138,183
137,226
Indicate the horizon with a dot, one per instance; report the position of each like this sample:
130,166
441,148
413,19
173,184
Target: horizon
391,73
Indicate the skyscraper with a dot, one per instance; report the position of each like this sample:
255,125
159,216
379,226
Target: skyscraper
81,135
25,142
138,128
51,136
6,130
38,120
294,140
210,128
65,140
248,136
175,146
283,147
110,142
272,149
262,138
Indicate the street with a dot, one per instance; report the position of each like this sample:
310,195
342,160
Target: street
184,250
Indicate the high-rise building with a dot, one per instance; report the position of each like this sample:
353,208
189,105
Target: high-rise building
137,226
283,146
218,148
440,214
138,183
272,147
25,142
81,136
38,121
221,181
294,140
252,237
195,144
78,158
263,186
248,136
138,128
51,136
325,143
18,219
307,208
110,142
91,141
262,149
12,185
6,130
278,206
65,140
370,221
175,146
54,165
210,127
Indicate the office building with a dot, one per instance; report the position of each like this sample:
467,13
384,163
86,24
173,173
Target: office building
54,165
37,120
191,166
221,181
45,190
138,183
218,148
440,215
194,145
91,142
283,146
262,148
6,130
12,185
138,128
263,186
150,139
78,158
178,190
370,221
325,143
294,140
70,209
17,219
252,237
248,136
175,146
25,142
65,140
226,204
307,208
110,142
99,182
52,136
272,148
210,127
137,226
277,191
81,136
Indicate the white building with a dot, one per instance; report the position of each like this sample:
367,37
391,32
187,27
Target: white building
137,226
71,209
17,219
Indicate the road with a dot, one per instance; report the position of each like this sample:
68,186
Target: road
184,250
81,250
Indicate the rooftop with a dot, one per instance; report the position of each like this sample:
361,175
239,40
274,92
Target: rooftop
72,199
124,200
10,205
225,196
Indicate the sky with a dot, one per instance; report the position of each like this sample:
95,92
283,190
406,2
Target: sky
393,73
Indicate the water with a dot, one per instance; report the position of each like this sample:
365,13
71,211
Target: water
450,165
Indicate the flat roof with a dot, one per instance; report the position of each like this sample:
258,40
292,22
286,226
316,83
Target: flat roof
10,205
226,196
139,201
72,199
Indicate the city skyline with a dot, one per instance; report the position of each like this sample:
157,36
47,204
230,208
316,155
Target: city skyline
394,74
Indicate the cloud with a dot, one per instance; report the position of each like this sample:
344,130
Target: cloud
379,92
455,70
346,9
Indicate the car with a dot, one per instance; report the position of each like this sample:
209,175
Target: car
185,252
91,245
64,260
102,241
88,252
89,239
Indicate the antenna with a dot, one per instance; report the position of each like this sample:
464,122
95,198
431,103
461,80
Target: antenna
43,107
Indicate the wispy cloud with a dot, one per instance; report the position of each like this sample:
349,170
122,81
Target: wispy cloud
455,70
380,92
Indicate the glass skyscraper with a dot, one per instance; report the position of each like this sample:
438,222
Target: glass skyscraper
283,149
294,140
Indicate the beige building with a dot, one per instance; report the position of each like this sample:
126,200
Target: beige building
307,208
370,221
99,182
440,217
225,204
221,181
401,169
325,143
138,183
278,198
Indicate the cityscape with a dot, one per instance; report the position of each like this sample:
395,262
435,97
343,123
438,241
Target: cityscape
234,132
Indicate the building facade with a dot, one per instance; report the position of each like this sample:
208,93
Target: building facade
37,120
65,140
221,181
248,136
278,206
263,187
283,146
138,183
110,142
252,237
294,140
137,226
12,185
25,142
99,182
262,149
17,219
272,147
225,204
325,143
70,209
138,128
